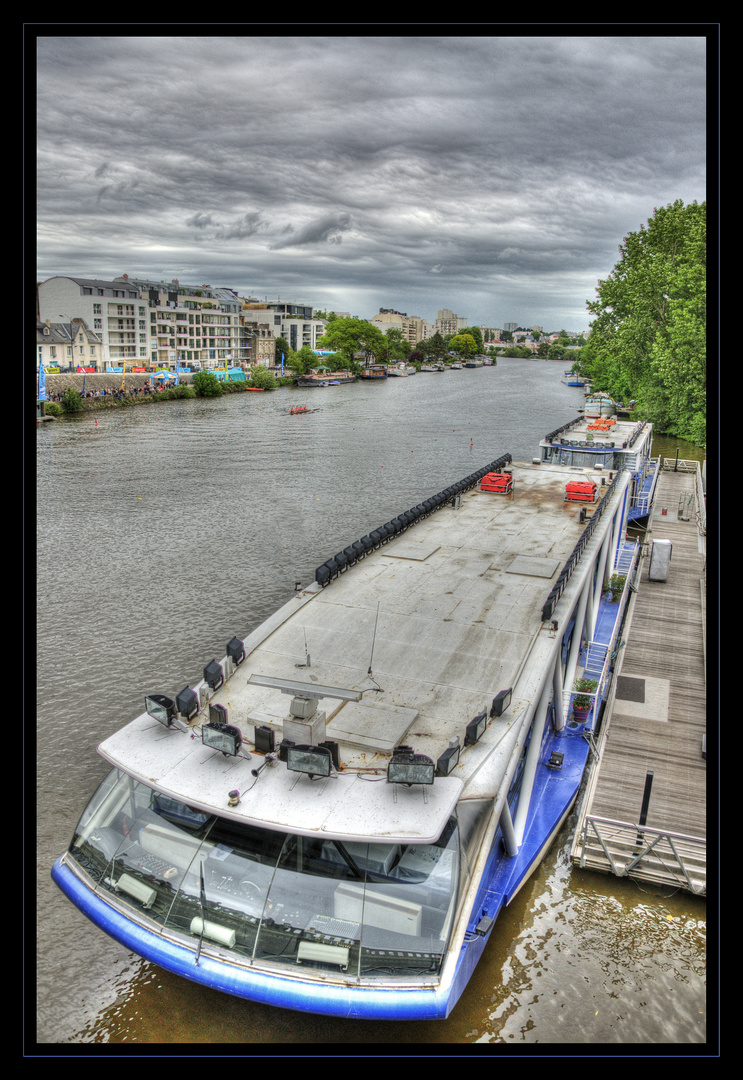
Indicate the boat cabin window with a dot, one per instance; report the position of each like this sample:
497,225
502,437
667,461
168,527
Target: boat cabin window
354,908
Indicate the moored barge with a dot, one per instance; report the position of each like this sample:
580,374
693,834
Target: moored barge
332,818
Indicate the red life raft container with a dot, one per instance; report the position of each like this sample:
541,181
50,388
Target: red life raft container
501,483
580,491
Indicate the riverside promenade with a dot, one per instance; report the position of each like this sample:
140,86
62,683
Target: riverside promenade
644,810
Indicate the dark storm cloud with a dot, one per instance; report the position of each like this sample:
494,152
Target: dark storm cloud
494,176
326,229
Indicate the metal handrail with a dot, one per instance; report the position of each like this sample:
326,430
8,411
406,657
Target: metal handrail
682,465
645,840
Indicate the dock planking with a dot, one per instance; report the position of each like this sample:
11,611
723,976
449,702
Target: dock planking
657,719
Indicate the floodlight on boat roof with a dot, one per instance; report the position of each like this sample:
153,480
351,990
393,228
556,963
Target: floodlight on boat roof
187,702
314,760
160,708
405,767
501,701
223,737
236,650
305,689
476,729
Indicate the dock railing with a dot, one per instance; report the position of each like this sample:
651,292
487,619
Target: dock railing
684,465
638,851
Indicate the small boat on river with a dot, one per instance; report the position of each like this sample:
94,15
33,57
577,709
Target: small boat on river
325,377
570,378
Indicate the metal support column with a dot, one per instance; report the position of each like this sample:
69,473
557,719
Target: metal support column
532,759
576,644
507,831
557,691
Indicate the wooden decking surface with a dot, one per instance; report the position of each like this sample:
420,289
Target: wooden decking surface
656,720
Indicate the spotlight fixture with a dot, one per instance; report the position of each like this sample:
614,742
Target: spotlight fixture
217,714
213,674
314,760
160,708
187,703
264,739
236,650
475,729
501,701
405,767
448,761
222,737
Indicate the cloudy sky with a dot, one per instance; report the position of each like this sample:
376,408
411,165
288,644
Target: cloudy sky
491,174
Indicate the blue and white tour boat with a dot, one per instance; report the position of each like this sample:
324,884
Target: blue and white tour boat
332,819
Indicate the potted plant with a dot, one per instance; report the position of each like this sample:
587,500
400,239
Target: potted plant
582,701
616,584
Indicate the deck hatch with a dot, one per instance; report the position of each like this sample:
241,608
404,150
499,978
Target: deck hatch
371,727
531,566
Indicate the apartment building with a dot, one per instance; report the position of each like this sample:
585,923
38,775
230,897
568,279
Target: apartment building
113,310
449,323
198,325
413,328
293,322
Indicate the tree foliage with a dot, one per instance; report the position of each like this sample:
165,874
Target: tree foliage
463,344
262,377
206,384
352,336
648,340
71,400
434,348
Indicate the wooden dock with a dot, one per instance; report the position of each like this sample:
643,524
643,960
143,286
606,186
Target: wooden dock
655,719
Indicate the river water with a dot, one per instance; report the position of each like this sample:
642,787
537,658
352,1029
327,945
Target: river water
164,530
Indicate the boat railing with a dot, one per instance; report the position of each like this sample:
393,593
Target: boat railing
638,851
644,500
596,666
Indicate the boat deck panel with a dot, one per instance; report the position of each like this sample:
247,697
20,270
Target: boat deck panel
428,640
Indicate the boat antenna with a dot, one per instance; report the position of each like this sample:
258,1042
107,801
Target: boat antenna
374,638
306,649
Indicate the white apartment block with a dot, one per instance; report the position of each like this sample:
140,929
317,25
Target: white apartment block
153,324
198,325
113,310
293,322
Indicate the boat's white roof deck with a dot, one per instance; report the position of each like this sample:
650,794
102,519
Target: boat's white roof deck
430,627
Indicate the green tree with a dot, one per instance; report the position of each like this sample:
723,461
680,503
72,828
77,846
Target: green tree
434,348
281,347
476,333
463,344
396,346
71,400
648,340
301,362
262,377
206,384
351,336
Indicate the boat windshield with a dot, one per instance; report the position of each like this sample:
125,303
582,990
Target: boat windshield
361,909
